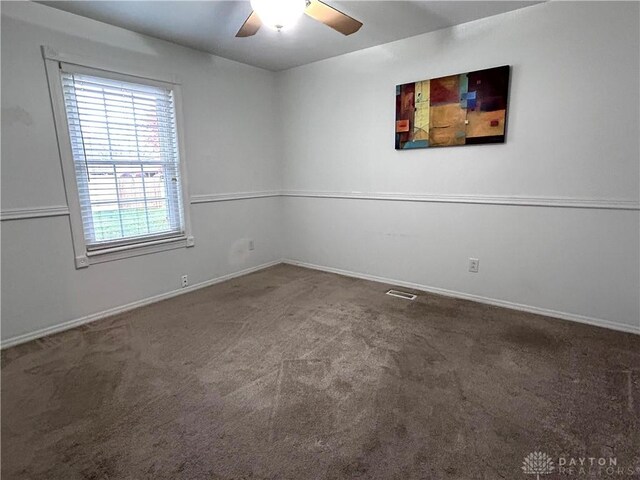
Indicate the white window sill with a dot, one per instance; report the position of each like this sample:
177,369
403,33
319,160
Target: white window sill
126,251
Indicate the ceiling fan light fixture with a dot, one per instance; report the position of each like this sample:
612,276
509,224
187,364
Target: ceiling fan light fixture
279,14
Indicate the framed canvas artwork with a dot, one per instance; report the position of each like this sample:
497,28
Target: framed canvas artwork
465,109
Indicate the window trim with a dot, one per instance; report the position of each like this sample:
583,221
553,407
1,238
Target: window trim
83,256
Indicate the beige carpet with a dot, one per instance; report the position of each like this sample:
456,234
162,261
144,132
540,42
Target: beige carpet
290,373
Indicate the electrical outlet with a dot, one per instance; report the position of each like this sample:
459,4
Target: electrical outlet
185,280
251,245
474,265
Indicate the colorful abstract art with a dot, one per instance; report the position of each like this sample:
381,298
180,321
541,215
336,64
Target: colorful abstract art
465,109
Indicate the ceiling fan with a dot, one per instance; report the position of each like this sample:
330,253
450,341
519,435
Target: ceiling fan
279,14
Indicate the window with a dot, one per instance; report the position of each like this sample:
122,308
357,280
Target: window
125,162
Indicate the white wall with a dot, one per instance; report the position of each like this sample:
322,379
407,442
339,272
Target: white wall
327,129
231,146
572,139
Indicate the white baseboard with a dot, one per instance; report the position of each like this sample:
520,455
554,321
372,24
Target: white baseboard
17,340
598,322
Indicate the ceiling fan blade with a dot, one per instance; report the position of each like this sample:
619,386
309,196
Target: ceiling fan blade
250,26
337,20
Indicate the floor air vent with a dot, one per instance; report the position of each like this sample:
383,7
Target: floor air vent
399,294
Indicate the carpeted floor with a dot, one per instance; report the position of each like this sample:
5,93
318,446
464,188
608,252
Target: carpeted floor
290,373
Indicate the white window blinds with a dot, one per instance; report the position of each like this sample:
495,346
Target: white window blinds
125,152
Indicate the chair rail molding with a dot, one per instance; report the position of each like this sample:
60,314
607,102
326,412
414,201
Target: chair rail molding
33,212
561,202
225,197
555,202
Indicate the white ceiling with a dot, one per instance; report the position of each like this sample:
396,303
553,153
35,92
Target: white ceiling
211,25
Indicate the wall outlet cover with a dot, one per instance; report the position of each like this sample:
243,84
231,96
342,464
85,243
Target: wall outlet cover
474,265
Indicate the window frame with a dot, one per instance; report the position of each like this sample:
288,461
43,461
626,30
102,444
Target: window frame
84,256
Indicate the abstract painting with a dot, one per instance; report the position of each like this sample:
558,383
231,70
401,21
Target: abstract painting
465,109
